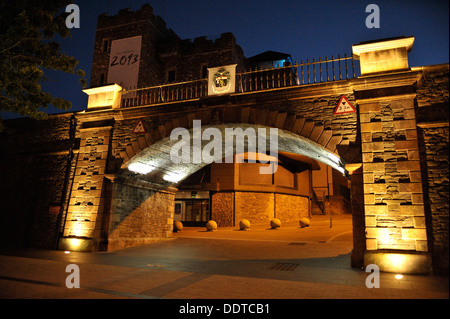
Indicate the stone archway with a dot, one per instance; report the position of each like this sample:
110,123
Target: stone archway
381,141
156,157
143,192
308,128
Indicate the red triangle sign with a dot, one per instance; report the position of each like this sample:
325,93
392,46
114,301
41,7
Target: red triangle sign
344,106
139,128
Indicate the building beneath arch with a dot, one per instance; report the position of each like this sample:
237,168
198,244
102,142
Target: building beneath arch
371,140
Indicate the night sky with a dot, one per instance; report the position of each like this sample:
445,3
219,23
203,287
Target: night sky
305,29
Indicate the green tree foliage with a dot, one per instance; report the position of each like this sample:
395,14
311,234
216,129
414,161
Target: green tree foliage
28,48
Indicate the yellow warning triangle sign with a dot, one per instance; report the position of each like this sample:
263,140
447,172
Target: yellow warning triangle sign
139,128
344,106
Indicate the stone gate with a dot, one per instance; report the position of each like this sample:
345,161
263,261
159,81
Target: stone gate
392,148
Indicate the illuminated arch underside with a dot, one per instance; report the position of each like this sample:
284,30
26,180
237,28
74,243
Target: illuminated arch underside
154,165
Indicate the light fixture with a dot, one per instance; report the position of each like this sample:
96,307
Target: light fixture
398,276
67,252
140,168
173,177
74,243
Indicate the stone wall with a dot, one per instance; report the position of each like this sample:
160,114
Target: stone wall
290,207
188,58
433,87
435,164
432,113
36,163
139,216
222,208
258,208
228,208
32,193
337,205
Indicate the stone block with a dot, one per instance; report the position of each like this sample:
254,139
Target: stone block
136,147
367,157
419,222
334,140
374,189
411,134
271,118
369,199
316,132
395,262
415,210
414,233
406,145
307,128
404,104
373,167
371,127
325,137
410,187
76,244
408,166
369,107
377,232
413,155
417,198
288,123
368,178
409,114
298,125
279,122
366,137
404,124
421,245
415,177
371,221
371,244
376,209
365,117
372,146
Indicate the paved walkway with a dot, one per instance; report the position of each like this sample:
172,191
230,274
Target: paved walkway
289,263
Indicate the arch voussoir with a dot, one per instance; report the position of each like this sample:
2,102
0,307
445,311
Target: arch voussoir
291,122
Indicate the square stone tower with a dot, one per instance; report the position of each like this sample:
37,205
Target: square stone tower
128,24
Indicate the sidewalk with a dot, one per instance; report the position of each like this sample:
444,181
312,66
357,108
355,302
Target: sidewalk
289,263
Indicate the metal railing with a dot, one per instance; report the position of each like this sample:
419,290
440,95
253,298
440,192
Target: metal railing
310,72
181,91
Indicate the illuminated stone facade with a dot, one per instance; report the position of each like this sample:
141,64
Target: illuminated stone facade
65,182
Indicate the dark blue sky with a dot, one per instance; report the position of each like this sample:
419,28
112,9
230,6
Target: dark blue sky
304,28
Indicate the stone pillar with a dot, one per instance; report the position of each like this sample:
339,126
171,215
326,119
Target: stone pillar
83,222
395,230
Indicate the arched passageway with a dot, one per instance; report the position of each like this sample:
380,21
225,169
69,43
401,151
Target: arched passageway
154,164
146,194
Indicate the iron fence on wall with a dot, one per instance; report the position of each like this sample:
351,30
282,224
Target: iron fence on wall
303,73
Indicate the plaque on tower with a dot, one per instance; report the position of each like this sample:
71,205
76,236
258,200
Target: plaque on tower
124,61
222,80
